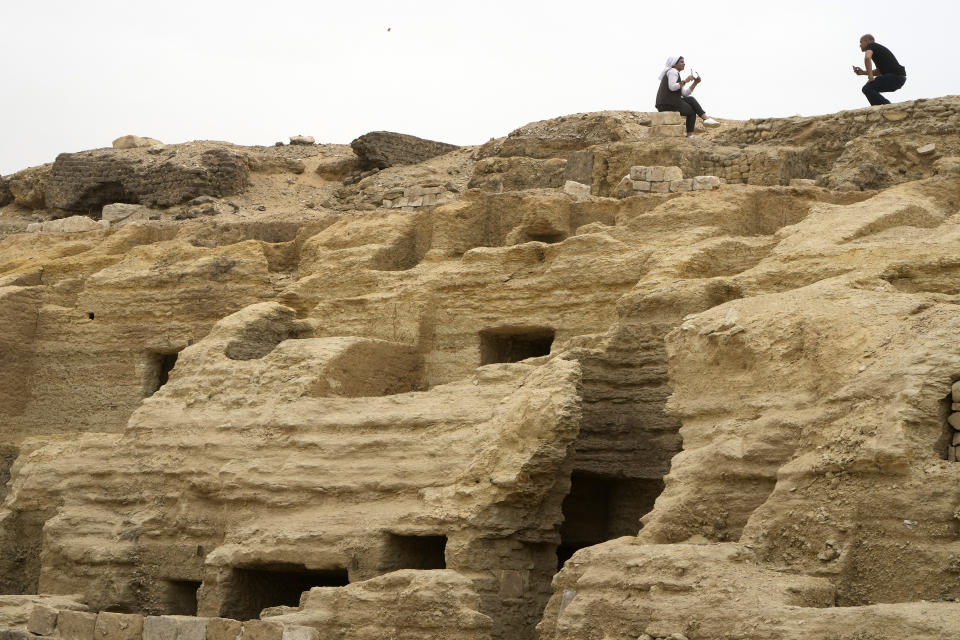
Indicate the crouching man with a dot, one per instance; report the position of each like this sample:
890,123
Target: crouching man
884,73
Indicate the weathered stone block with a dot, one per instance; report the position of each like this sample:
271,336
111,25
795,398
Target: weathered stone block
955,391
134,142
802,182
926,149
119,211
655,174
174,628
223,629
577,189
302,140
672,173
14,634
678,186
662,118
262,630
702,183
118,626
640,173
660,187
667,131
76,625
43,620
191,628
159,628
641,185
954,420
299,632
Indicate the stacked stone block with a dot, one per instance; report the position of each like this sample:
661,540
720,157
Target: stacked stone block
953,446
76,625
668,180
48,622
667,124
517,173
768,166
43,620
421,195
732,166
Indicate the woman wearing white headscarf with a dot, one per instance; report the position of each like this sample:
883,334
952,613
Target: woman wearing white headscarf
674,94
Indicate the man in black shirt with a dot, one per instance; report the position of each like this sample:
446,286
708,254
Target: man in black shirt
889,74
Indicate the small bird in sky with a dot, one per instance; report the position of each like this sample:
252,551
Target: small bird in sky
388,28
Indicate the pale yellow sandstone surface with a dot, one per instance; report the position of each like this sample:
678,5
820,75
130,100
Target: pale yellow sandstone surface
435,402
15,610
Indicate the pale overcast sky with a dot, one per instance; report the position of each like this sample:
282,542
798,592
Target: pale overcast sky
79,73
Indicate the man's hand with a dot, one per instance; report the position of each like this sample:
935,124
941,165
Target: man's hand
860,72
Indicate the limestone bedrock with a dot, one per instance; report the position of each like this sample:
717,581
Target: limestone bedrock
261,397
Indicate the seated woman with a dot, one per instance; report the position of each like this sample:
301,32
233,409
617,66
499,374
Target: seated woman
674,95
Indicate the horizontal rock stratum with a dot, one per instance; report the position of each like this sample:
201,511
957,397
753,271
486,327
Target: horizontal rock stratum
497,392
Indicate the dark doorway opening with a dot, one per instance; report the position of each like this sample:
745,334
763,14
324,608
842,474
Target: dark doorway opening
20,545
179,597
96,196
251,590
414,552
548,238
159,366
513,344
600,508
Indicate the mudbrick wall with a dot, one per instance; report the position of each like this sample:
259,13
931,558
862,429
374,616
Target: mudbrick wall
88,180
382,149
516,412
